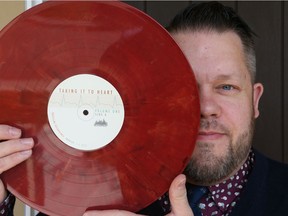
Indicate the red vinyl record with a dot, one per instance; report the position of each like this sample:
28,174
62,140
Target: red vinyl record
109,99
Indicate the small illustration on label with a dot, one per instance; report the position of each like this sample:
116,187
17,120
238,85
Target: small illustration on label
100,123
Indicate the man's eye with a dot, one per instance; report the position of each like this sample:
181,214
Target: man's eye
227,87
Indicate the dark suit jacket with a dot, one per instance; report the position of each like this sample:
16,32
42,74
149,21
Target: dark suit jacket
266,193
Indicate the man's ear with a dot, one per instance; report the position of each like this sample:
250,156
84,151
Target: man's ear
258,90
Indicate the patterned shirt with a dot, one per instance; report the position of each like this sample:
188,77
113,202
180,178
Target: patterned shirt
221,198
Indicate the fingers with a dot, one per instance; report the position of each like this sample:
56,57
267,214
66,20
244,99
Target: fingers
109,213
13,150
9,161
13,146
7,132
178,197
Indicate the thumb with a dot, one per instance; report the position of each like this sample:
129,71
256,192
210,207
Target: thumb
178,197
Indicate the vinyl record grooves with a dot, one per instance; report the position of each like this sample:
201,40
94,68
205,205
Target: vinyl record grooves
75,73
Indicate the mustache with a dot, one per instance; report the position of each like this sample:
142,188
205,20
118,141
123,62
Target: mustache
213,124
208,124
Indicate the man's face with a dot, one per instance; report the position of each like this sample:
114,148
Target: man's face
228,101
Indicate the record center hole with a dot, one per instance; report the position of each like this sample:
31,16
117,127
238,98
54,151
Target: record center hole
85,112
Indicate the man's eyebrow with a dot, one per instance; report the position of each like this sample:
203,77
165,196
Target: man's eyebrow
226,76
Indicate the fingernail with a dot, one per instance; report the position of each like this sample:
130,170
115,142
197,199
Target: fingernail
26,153
14,132
27,141
182,182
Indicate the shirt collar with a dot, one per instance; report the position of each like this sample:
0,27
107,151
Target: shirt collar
227,191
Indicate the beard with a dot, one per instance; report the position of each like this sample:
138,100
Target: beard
206,168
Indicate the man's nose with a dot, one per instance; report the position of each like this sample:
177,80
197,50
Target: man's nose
209,106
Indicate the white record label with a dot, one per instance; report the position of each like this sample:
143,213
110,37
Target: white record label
85,112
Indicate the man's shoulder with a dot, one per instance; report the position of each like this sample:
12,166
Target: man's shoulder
273,167
266,192
273,172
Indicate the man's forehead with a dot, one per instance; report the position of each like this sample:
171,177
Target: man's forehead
220,76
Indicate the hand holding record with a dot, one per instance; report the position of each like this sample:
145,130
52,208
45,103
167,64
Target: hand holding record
178,199
13,151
